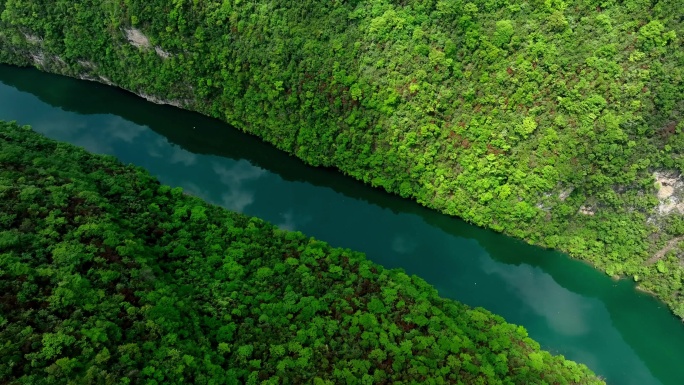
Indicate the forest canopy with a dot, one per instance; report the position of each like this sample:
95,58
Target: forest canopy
556,122
108,277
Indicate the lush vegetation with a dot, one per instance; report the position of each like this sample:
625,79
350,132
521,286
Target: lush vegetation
545,120
107,277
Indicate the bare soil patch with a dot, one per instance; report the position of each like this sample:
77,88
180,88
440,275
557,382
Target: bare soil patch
661,253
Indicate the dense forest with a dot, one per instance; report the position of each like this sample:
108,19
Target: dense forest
108,277
555,122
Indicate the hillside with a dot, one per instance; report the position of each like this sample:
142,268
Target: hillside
108,277
558,123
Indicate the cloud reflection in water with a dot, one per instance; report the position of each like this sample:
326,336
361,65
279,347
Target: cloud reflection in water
545,297
238,196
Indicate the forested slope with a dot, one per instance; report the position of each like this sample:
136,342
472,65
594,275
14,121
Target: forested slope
107,277
546,120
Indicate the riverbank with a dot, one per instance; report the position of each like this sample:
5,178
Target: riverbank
514,118
109,275
584,320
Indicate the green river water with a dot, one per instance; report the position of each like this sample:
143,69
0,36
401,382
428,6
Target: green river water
624,335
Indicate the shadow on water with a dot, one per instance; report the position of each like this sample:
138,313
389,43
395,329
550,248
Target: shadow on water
639,319
205,135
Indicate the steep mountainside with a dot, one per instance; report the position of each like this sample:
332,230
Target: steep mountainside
559,123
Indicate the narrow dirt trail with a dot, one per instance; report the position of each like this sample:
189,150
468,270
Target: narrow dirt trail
661,253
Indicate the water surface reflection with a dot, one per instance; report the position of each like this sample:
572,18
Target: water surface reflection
567,306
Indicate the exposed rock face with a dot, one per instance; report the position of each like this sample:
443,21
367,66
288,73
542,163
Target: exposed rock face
87,64
33,39
106,80
162,54
38,59
137,38
564,194
669,192
154,99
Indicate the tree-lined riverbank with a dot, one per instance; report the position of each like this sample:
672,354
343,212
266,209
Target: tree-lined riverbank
551,122
108,277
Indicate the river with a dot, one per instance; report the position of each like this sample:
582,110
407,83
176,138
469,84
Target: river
624,335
